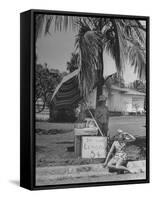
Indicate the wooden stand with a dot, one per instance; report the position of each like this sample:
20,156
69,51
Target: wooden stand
78,137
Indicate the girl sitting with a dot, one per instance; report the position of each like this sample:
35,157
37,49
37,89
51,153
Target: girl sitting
119,159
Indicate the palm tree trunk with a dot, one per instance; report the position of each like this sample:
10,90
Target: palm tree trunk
100,78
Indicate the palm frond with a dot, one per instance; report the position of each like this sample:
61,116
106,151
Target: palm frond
59,22
132,31
87,43
64,22
137,33
115,45
137,58
40,19
49,19
134,36
128,44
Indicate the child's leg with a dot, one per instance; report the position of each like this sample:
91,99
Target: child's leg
111,164
119,165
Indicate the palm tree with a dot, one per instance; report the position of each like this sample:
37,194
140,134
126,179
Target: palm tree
123,39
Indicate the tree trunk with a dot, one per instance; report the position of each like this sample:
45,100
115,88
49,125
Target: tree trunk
51,113
100,78
99,91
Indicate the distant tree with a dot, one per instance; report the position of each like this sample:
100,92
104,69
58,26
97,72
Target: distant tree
63,74
72,65
139,86
115,79
45,84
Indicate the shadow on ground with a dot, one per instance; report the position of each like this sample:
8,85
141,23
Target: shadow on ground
15,182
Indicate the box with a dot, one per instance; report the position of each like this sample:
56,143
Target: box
94,147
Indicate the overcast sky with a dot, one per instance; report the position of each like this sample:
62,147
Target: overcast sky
56,49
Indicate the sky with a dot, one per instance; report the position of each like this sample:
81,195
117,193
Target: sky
56,48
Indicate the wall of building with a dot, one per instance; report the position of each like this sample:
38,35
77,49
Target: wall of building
138,103
118,101
126,103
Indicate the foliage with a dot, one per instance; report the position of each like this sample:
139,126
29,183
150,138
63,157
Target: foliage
118,38
45,84
139,86
115,79
73,64
64,115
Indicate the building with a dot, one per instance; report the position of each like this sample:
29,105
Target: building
122,100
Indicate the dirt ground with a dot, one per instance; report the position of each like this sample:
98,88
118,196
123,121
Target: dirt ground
92,179
55,142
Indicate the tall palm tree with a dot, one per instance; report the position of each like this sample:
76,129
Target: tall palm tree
123,39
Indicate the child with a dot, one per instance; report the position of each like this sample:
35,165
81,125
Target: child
120,157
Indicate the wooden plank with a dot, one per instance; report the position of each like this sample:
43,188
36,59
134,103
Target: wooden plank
86,131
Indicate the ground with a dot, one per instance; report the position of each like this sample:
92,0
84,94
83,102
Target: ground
91,179
55,147
55,142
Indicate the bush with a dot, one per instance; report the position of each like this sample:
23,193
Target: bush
65,115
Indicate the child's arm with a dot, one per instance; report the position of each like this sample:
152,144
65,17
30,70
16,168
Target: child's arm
132,138
129,137
110,153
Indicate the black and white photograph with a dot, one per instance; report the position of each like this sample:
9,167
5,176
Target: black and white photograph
76,100
90,81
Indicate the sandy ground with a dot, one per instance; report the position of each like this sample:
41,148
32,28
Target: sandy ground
92,179
56,147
